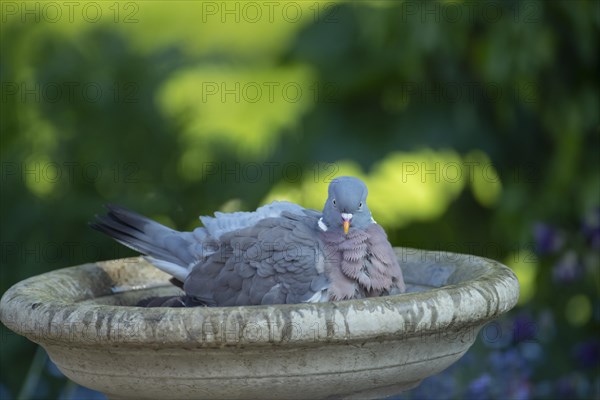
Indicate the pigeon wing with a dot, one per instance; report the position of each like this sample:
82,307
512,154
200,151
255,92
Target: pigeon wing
277,260
174,252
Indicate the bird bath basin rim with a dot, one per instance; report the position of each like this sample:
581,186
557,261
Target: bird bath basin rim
59,306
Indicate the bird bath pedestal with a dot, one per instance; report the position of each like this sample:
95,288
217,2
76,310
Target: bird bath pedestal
84,318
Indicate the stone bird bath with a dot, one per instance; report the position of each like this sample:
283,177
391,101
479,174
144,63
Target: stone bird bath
370,348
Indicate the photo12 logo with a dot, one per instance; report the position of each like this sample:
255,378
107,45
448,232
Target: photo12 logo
70,11
70,172
470,12
268,11
69,92
271,171
268,91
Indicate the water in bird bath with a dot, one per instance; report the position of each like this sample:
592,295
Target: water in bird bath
417,278
132,296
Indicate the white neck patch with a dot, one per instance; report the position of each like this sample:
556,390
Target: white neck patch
347,216
322,225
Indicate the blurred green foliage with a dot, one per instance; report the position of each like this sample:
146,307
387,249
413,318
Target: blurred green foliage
470,121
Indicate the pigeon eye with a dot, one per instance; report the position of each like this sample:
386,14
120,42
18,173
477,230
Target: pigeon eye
360,205
333,201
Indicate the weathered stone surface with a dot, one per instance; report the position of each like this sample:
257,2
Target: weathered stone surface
84,319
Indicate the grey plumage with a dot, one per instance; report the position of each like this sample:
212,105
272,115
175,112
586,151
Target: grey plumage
280,253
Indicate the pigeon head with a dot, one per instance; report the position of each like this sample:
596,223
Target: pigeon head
346,205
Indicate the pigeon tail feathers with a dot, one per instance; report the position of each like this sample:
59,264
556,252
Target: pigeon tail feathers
147,237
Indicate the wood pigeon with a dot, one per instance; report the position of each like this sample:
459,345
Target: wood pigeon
281,253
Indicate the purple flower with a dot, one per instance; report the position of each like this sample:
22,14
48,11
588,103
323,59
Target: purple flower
509,364
548,239
573,386
524,328
567,269
479,389
591,228
520,390
531,351
587,353
564,388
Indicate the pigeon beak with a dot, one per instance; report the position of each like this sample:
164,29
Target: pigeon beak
346,222
346,227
